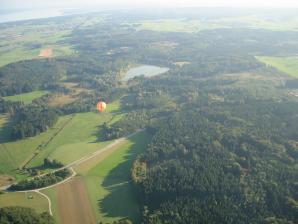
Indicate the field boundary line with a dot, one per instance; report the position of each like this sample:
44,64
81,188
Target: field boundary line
38,149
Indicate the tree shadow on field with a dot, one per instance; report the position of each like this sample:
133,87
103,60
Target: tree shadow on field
99,133
122,201
5,132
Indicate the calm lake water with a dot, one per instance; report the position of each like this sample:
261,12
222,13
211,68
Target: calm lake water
27,15
146,70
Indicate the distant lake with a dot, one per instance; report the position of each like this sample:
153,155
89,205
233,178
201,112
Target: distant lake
27,15
146,70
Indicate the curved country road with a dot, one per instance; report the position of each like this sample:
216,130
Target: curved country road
49,201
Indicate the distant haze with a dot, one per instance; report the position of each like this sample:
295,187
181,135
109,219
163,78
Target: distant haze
31,4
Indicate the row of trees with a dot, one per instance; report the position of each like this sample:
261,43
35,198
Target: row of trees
41,181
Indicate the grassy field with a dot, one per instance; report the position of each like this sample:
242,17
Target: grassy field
68,145
14,153
81,136
260,22
24,41
77,138
288,65
108,183
189,25
31,200
20,53
73,138
176,25
26,97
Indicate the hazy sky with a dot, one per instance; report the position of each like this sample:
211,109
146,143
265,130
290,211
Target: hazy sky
140,3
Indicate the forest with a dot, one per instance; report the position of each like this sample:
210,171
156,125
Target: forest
220,154
19,215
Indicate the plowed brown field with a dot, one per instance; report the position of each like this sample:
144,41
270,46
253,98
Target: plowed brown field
73,203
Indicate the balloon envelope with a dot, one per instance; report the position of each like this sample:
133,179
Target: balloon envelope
101,106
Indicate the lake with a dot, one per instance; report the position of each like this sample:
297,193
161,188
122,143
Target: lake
28,15
146,70
22,15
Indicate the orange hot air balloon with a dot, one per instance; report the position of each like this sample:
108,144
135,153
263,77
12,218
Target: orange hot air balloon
101,106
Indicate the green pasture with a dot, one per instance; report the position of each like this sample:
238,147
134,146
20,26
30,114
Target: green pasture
110,191
29,199
196,25
108,183
15,153
288,65
176,25
71,138
26,97
79,137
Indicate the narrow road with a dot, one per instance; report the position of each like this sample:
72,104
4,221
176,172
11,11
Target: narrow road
53,185
85,158
49,201
73,164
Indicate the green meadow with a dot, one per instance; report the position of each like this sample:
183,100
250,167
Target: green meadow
176,25
109,186
15,153
196,25
24,42
288,65
71,138
26,97
79,137
108,183
30,200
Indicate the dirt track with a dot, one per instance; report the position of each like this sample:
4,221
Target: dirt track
73,203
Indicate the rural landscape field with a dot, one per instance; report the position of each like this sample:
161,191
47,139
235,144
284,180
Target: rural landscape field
175,116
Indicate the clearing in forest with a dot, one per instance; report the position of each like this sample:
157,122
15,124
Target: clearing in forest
288,65
26,97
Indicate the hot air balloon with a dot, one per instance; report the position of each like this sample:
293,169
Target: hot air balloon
101,106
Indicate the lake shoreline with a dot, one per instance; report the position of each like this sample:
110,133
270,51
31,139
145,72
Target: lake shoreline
146,70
